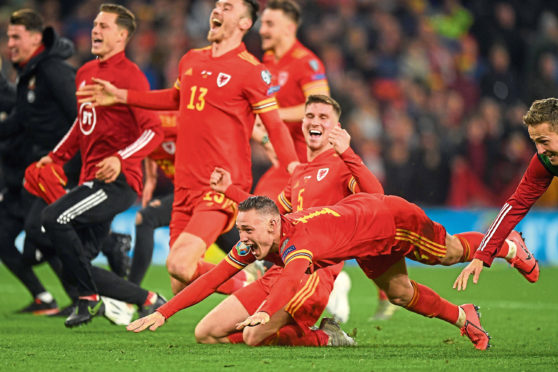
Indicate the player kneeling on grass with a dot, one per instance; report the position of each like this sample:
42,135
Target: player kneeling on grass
376,230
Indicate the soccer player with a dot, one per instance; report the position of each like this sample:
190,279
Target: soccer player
218,92
542,123
376,230
333,171
112,142
296,73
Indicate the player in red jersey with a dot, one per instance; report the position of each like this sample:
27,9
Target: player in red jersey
376,230
542,124
296,73
333,172
219,91
112,142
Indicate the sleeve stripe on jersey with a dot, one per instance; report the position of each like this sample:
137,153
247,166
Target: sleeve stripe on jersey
138,144
177,84
265,105
65,137
352,184
503,212
421,242
303,294
284,202
314,86
235,263
249,58
302,253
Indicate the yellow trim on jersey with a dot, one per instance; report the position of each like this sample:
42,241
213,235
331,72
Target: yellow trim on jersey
314,87
177,84
203,48
233,264
352,184
296,254
249,58
303,294
285,202
265,105
421,242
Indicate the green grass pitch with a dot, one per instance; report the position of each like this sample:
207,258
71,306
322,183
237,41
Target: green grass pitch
522,319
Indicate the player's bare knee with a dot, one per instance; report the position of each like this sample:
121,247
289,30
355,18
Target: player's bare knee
139,218
202,334
179,270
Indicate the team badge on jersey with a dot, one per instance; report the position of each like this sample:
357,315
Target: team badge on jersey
266,77
314,65
242,249
322,173
282,77
223,79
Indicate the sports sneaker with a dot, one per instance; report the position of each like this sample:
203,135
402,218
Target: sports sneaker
337,337
524,261
66,311
384,311
338,303
118,312
473,329
84,312
38,307
116,247
147,310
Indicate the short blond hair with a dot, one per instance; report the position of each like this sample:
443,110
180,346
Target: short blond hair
543,111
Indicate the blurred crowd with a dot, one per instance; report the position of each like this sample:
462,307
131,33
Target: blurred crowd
433,92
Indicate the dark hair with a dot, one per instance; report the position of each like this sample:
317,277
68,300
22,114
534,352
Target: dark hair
262,204
290,8
326,100
28,18
124,17
543,111
253,8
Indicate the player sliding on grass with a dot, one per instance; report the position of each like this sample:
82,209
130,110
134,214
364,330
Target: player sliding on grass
376,230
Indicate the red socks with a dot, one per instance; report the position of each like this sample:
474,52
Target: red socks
429,303
230,286
288,335
471,242
382,296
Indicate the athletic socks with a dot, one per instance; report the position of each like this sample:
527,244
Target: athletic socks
470,242
429,303
151,298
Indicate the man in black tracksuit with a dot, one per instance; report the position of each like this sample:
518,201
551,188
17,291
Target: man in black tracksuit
44,110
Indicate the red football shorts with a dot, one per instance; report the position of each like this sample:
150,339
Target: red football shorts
204,213
305,307
415,234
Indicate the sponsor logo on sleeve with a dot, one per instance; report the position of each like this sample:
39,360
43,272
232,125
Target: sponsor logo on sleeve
287,251
266,77
242,249
314,65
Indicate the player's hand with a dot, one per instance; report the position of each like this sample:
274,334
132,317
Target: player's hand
109,169
44,161
475,268
102,93
220,180
258,318
292,165
147,193
153,321
339,139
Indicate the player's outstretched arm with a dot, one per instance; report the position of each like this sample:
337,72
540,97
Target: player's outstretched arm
102,93
153,321
474,268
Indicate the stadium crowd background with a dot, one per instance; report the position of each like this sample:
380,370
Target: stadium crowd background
433,91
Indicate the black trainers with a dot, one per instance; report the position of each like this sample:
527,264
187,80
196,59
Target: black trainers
116,247
65,311
147,310
337,337
38,307
84,312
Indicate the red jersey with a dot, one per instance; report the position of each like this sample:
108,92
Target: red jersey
100,132
534,183
298,74
164,154
218,98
